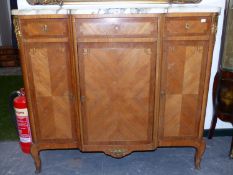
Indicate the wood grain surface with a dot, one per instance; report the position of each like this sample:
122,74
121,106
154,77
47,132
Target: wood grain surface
117,83
183,79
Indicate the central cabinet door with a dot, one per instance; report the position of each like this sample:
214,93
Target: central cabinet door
117,92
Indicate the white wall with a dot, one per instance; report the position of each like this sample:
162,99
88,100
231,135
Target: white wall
209,109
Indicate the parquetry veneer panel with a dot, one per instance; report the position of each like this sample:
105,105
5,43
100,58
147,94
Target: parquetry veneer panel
51,77
116,83
183,65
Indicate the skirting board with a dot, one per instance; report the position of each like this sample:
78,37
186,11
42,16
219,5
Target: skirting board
219,132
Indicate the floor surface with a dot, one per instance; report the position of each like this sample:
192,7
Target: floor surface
163,161
10,71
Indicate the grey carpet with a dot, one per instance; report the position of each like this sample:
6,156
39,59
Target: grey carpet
10,71
163,161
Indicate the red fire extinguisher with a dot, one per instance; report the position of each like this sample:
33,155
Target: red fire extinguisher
22,119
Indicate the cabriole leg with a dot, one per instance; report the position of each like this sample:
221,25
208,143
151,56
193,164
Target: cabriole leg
231,150
199,152
35,152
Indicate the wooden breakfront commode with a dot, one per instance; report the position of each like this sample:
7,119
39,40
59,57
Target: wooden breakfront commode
116,83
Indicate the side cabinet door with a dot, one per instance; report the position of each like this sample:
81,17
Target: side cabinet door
50,81
183,73
117,92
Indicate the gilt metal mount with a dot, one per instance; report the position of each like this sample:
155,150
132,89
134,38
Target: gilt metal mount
17,29
117,152
45,2
75,2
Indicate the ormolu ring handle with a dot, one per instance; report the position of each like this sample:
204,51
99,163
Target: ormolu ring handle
116,27
187,26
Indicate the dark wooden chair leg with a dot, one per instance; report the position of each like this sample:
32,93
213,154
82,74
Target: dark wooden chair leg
212,127
214,95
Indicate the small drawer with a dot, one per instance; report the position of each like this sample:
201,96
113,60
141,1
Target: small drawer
117,27
44,28
181,26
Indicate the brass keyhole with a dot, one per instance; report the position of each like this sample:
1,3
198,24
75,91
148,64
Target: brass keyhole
162,93
45,28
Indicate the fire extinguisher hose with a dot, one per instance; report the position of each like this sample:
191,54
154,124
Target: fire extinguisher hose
11,110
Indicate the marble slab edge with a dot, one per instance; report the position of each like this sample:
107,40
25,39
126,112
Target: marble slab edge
40,12
177,9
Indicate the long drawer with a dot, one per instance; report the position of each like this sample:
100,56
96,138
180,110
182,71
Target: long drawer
117,27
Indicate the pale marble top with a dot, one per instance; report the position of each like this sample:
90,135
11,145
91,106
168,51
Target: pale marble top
117,8
169,9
